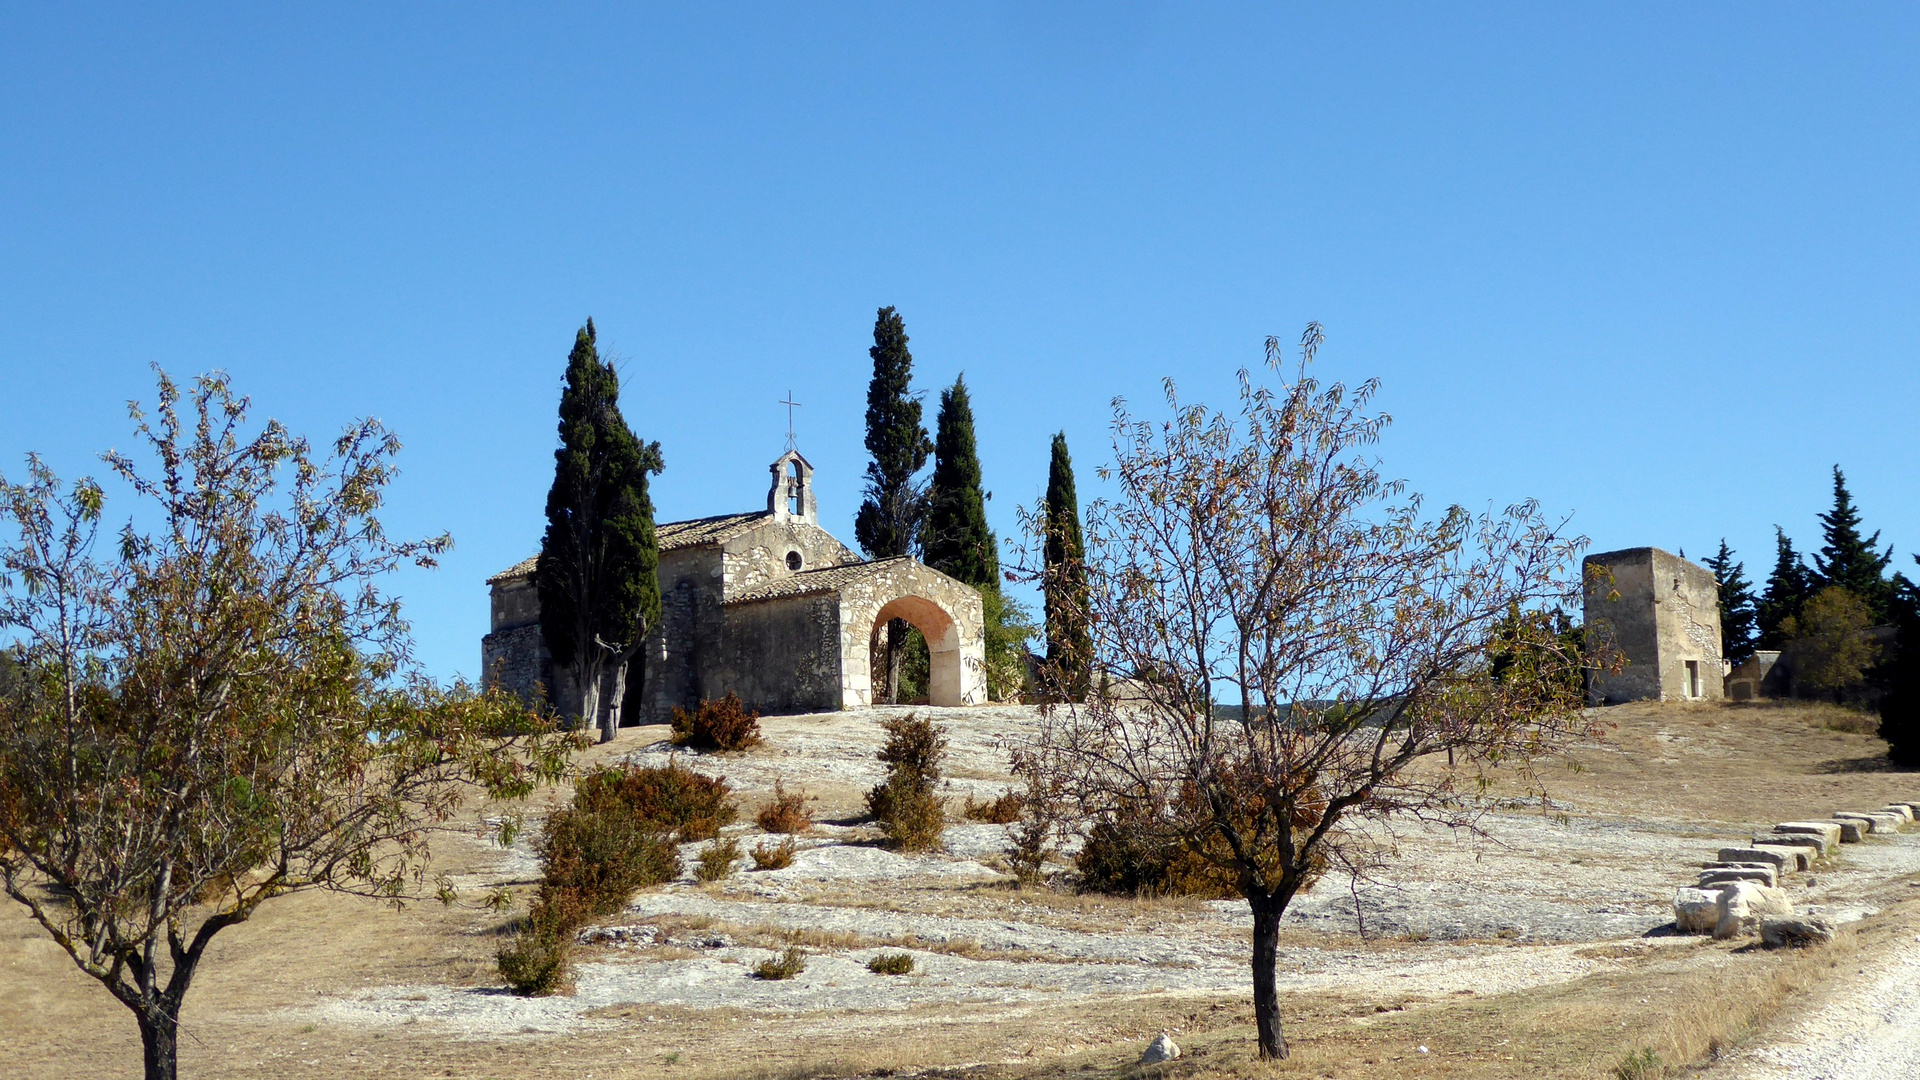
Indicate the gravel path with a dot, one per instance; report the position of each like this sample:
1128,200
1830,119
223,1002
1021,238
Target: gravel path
1869,1031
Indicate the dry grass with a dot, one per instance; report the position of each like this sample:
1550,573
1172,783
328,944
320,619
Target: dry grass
1701,765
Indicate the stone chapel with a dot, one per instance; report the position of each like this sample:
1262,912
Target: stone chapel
765,604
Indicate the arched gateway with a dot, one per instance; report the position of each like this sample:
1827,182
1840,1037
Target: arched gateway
767,605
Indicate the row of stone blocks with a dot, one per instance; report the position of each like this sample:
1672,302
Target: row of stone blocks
1739,892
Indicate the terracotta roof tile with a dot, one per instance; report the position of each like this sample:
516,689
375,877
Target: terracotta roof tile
670,534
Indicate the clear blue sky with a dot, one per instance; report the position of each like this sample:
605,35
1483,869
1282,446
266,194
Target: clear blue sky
1654,267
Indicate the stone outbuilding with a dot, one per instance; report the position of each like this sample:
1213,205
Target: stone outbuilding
768,605
1662,613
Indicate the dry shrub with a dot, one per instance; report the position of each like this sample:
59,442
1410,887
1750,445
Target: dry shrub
785,966
693,806
1004,810
891,964
1129,852
723,725
777,857
787,813
716,861
905,805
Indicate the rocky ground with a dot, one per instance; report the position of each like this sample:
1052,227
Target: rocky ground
1568,901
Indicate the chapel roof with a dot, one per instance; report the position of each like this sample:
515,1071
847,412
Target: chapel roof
670,535
807,582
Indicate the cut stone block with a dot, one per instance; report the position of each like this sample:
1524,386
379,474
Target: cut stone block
1759,875
1815,844
1871,822
1696,911
1899,810
1797,858
1742,906
1826,830
1851,831
1779,859
1795,933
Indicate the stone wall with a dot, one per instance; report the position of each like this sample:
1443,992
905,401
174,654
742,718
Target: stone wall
1662,613
946,612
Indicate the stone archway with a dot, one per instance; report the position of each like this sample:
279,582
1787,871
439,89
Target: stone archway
943,646
946,612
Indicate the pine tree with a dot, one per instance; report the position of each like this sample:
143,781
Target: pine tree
1846,559
958,542
889,520
1069,645
1788,587
597,571
1737,614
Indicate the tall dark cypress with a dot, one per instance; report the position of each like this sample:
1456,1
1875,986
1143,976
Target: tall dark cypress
597,570
889,520
1848,560
1064,588
1900,705
958,542
1788,587
1737,614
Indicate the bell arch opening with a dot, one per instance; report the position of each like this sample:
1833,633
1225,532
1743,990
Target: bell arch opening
945,686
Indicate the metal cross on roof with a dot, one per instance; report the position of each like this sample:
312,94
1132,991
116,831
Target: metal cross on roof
791,405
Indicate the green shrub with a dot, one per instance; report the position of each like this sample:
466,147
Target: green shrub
716,862
785,966
905,805
692,806
787,813
593,858
908,812
1121,858
724,725
1644,1065
537,961
891,964
777,857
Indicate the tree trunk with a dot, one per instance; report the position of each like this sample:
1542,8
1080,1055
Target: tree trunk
896,650
1266,957
159,1039
588,679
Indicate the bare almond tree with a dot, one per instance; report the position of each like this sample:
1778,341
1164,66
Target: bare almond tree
223,709
1279,635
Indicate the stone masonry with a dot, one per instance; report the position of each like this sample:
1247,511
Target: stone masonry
767,605
1662,613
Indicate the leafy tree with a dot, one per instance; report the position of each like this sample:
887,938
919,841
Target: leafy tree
1737,611
1788,587
1900,706
1832,649
1064,580
1295,635
597,574
889,520
223,710
1848,560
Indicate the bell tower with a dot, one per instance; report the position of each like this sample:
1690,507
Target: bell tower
791,496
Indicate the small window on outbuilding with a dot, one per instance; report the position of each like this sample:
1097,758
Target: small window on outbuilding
1693,678
794,561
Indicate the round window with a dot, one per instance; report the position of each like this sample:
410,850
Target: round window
793,560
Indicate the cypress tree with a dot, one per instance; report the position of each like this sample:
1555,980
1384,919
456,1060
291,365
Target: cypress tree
1069,645
1846,559
958,542
597,569
1737,614
889,520
1788,587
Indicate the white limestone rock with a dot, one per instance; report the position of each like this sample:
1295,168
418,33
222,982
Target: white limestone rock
1743,905
1160,1049
1696,911
1795,933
